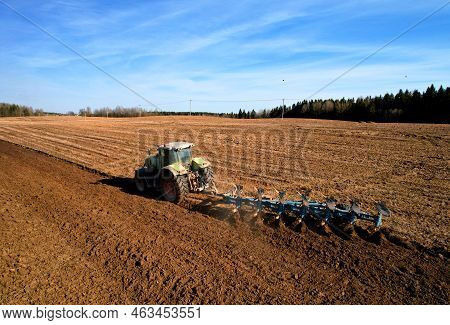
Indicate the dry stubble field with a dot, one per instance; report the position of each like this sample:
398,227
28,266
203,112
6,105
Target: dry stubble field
406,165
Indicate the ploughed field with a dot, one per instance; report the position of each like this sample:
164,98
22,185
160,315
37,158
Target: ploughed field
406,165
70,236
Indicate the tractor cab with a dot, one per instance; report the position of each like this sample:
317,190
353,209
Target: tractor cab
175,152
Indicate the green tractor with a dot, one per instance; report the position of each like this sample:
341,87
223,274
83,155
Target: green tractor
174,173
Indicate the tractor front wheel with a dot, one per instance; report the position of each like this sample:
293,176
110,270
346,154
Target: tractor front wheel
174,188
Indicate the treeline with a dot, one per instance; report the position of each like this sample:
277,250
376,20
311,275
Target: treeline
243,114
121,111
18,110
430,106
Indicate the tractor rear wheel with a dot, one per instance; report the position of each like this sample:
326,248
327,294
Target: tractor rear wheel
174,188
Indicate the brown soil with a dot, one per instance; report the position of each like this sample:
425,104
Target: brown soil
406,165
70,236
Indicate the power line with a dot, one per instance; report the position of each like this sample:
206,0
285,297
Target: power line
173,103
379,49
71,49
235,101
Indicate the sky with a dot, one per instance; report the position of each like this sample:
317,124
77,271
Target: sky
216,52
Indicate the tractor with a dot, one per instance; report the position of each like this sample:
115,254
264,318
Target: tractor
173,172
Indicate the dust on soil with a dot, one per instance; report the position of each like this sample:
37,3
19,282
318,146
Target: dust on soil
69,236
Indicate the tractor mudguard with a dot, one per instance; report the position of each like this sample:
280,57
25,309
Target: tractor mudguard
199,163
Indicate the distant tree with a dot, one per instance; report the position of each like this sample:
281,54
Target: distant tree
39,112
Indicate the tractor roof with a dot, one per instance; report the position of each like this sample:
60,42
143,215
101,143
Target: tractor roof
177,145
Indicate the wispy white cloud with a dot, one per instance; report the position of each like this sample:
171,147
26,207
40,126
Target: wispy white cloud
239,49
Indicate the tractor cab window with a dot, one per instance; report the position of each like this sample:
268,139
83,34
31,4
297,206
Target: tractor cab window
185,155
169,157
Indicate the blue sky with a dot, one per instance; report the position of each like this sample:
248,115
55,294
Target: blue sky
171,51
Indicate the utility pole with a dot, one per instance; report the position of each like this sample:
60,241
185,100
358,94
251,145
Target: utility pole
190,107
283,83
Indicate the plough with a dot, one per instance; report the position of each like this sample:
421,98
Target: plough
326,213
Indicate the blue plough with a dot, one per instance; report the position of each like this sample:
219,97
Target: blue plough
328,212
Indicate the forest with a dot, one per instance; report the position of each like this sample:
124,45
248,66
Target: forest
18,110
430,106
